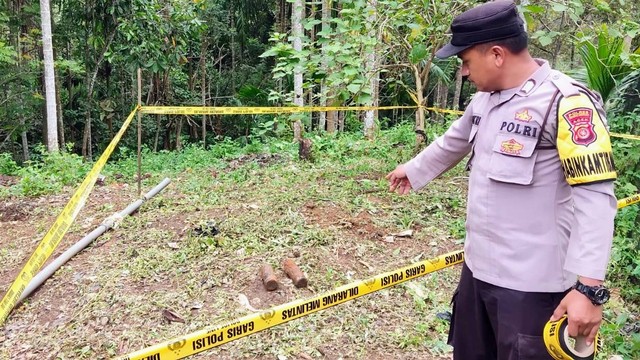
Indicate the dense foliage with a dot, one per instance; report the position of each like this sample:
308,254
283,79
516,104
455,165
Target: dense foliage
239,53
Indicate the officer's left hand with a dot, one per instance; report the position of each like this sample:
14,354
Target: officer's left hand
398,180
584,317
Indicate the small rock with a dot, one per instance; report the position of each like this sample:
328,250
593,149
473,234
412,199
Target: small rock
100,180
405,233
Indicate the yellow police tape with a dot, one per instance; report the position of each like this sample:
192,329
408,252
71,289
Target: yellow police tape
446,111
52,238
561,347
254,110
224,110
213,336
625,136
628,201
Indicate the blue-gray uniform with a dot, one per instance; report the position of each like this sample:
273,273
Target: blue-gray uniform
541,202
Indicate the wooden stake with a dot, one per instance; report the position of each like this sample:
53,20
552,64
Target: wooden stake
293,271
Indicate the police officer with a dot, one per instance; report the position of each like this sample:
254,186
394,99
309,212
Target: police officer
540,203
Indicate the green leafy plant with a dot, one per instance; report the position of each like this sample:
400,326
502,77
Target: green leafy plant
50,172
7,165
625,257
622,335
604,61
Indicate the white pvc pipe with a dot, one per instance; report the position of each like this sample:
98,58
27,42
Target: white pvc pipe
107,224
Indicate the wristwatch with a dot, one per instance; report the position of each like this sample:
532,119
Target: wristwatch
597,294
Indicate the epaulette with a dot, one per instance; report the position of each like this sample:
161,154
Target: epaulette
564,84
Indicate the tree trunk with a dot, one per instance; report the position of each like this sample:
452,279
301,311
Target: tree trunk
232,24
419,128
458,91
61,142
444,97
312,40
282,22
372,74
203,85
25,143
178,133
167,135
86,136
422,80
297,15
331,121
91,80
21,120
69,80
49,77
324,62
155,141
437,101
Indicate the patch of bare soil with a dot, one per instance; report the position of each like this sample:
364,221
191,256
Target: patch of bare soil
330,215
260,159
14,211
7,180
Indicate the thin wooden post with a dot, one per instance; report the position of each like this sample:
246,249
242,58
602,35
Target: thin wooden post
139,132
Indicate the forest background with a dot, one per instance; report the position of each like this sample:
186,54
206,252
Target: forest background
244,53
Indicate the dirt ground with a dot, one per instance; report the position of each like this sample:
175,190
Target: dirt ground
120,294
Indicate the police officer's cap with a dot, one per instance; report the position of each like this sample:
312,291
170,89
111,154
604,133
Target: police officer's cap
488,22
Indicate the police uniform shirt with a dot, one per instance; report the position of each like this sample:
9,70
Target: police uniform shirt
531,226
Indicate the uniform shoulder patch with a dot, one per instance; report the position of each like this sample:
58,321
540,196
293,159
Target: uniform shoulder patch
583,142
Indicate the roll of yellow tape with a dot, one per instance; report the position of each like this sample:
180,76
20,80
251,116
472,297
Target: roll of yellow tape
563,347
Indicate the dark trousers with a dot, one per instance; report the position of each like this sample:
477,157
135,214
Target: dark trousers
494,323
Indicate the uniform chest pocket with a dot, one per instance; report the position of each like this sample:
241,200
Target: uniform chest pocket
513,159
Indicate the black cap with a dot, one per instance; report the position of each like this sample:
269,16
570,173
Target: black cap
491,21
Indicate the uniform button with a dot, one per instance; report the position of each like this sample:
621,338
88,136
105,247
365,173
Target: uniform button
556,77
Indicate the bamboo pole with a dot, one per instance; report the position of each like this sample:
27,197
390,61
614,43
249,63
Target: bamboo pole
139,132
